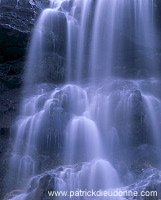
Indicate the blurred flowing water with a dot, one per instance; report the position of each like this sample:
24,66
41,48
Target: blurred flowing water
98,111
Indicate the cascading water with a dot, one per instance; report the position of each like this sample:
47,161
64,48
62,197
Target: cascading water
89,124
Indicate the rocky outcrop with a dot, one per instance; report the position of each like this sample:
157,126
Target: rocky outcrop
150,183
5,150
16,22
12,194
17,19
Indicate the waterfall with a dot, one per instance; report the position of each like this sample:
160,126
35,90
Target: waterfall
94,50
98,113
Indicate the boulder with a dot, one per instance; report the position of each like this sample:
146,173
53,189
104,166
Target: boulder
149,181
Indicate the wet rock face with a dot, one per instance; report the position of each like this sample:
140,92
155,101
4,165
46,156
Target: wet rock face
12,194
138,113
5,150
9,104
12,43
48,62
67,5
143,158
43,182
17,19
57,34
16,24
150,181
23,3
11,75
10,91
